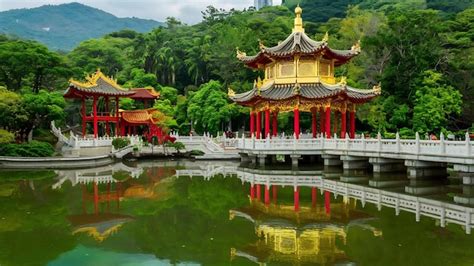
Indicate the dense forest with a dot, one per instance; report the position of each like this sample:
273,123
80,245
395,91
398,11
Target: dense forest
421,52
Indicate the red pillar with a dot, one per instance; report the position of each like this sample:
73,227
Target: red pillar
313,123
259,193
353,124
327,202
343,124
259,124
313,197
296,122
107,111
267,123
94,110
117,122
322,122
252,123
96,198
267,195
83,111
252,191
275,123
297,198
275,191
328,122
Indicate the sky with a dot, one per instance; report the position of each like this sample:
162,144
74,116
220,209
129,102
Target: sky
188,11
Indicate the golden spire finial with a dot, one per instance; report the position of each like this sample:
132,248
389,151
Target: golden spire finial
298,20
326,37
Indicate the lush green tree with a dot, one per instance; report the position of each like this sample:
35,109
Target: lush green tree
435,102
41,108
27,63
140,79
209,108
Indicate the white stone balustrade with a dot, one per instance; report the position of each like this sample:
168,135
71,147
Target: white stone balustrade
460,152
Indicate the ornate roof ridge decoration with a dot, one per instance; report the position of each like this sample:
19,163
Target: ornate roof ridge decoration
356,47
91,81
230,92
240,55
377,88
326,37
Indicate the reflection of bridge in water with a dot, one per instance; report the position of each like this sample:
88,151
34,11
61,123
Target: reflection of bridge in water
445,212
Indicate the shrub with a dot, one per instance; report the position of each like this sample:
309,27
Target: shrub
120,143
31,149
6,137
177,145
196,153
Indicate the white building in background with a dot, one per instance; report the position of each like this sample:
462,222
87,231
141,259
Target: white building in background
262,3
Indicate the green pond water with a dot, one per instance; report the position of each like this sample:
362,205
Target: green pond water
146,214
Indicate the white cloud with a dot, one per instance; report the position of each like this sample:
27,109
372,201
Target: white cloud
185,10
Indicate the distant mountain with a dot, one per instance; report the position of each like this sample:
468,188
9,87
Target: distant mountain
62,27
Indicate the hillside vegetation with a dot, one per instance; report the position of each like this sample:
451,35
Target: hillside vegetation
62,27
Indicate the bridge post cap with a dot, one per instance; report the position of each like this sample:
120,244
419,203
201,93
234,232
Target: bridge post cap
417,136
397,135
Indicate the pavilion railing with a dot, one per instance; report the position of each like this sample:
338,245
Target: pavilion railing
415,146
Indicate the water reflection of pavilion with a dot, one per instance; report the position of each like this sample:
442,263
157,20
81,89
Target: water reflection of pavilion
266,180
104,188
308,236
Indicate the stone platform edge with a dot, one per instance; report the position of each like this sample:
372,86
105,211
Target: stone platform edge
54,162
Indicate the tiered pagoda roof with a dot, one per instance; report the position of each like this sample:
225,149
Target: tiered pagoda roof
309,91
298,43
99,85
140,116
145,94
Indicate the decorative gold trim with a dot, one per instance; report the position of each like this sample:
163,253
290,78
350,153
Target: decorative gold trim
356,47
230,92
240,54
326,37
377,89
91,81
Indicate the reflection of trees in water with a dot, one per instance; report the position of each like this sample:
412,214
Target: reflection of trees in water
33,230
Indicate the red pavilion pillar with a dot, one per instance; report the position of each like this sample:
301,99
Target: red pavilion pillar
275,123
267,123
327,202
267,194
297,198
328,122
313,197
343,123
322,122
84,117
252,123
352,123
259,125
95,118
296,122
117,119
259,193
313,123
